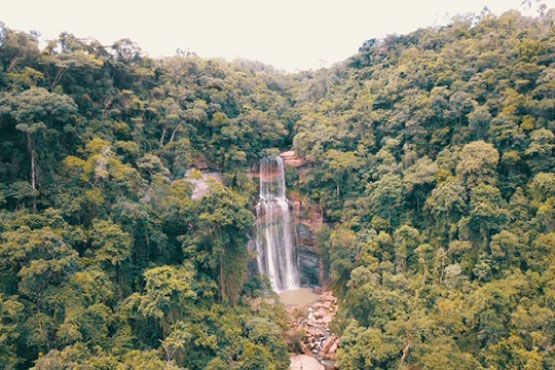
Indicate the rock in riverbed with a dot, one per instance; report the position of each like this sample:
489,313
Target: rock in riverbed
304,362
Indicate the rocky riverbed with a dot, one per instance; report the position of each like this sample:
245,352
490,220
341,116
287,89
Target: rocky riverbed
309,323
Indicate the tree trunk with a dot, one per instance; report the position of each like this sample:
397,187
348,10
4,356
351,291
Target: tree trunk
222,279
485,237
406,348
164,129
61,72
174,132
443,259
425,275
13,63
107,103
32,151
389,220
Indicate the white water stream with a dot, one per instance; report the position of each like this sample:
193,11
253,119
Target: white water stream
275,237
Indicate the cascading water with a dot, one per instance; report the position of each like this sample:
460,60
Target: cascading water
275,237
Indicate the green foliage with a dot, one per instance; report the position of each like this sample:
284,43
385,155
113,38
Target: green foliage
217,243
107,262
432,158
431,155
366,349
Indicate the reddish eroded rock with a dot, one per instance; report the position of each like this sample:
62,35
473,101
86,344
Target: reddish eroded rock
328,344
291,159
333,349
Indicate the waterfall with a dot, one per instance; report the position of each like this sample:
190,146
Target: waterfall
275,235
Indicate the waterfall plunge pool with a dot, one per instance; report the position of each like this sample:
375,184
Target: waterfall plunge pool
298,297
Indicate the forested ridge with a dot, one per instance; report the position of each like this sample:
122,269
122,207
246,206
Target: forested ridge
432,158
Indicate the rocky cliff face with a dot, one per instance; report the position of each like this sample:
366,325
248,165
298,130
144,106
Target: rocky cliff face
201,181
309,221
307,227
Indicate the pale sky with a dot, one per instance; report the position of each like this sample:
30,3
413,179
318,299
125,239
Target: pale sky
288,34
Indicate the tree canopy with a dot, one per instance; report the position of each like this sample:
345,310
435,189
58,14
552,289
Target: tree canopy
431,156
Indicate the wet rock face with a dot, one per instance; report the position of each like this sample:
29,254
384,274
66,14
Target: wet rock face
307,244
309,267
304,234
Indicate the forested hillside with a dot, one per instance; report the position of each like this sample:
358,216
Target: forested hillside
105,259
434,160
432,157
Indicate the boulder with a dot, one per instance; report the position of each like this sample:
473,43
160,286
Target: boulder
304,362
327,345
333,350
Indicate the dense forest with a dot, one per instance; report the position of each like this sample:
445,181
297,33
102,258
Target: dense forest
432,157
